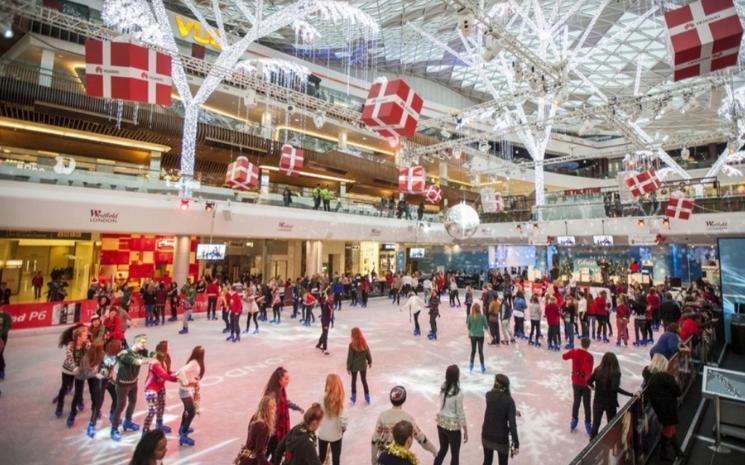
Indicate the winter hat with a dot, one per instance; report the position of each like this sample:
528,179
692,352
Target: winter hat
95,317
398,395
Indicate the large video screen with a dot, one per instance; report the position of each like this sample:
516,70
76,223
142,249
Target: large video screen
732,275
210,251
505,256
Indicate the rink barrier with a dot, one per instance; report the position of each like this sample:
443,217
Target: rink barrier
632,435
48,314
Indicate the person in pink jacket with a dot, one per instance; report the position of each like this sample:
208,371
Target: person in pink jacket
155,392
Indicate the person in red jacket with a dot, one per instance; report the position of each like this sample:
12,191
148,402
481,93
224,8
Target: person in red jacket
113,325
600,307
235,304
213,292
653,301
623,315
553,318
308,303
155,393
689,326
591,316
582,362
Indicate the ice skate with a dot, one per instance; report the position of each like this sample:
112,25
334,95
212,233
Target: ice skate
129,425
184,440
573,424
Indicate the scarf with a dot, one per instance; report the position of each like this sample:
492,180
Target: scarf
402,453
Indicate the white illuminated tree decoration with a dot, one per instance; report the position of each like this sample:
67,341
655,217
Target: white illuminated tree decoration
148,21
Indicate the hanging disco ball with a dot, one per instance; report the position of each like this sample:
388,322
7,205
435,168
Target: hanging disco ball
461,221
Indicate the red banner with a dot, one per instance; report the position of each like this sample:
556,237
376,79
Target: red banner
45,314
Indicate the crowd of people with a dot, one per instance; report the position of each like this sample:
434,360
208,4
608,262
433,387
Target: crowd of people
97,355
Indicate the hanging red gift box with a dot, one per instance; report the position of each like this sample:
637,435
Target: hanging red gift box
291,161
120,69
392,108
411,179
242,174
704,36
679,208
643,183
433,194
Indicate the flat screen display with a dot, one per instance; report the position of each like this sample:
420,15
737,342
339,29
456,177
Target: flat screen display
210,251
416,253
602,240
566,241
508,256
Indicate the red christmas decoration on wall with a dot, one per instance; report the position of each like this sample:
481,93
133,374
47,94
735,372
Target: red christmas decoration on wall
679,208
643,183
291,161
412,179
433,194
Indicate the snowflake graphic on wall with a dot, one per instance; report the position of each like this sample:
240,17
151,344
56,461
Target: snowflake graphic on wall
543,434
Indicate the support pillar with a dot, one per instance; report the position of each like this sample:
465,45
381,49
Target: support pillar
181,252
154,168
313,259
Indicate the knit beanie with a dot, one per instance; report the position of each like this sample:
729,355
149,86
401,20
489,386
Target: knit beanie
398,395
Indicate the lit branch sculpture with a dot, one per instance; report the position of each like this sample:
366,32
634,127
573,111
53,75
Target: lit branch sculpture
148,22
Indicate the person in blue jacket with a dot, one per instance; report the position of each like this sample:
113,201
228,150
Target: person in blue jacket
668,343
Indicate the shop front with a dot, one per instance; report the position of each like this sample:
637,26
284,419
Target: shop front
28,257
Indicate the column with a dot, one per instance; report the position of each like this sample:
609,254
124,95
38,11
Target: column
342,190
154,168
46,68
264,189
313,260
181,253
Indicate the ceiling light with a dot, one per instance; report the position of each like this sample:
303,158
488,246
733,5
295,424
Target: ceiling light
666,222
640,222
184,204
8,33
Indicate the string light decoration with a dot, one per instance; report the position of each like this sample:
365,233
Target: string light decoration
147,21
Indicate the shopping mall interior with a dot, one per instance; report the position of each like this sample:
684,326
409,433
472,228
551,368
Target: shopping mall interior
529,214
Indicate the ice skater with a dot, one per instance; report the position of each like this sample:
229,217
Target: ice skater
434,314
327,313
582,362
235,302
188,297
189,377
623,314
127,373
359,359
415,306
534,313
155,392
276,387
476,325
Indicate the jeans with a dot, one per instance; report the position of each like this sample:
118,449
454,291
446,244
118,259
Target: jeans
477,342
253,316
433,323
502,457
494,330
535,326
581,393
235,325
335,451
337,301
363,377
569,332
591,319
226,319
211,306
639,328
37,292
126,394
308,314
520,326
508,336
648,335
150,316
448,439
276,314
160,312
554,335
416,321
324,339
187,315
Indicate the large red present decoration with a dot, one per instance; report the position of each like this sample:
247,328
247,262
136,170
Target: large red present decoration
679,208
242,174
411,179
643,183
120,69
291,161
392,109
704,36
433,194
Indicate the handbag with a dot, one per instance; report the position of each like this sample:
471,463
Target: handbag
243,457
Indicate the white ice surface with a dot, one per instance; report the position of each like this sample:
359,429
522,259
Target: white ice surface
236,374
